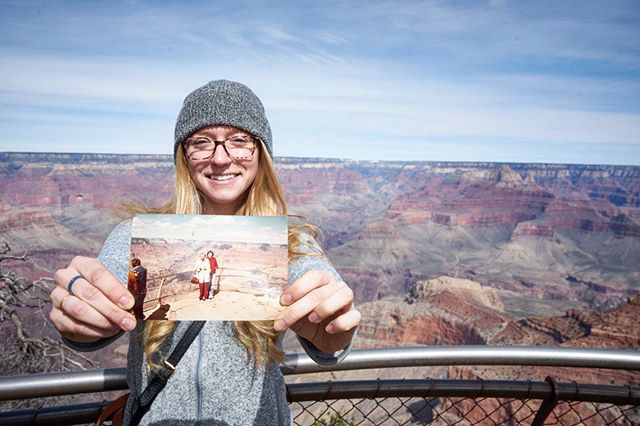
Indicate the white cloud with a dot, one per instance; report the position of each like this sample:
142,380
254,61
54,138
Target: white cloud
425,70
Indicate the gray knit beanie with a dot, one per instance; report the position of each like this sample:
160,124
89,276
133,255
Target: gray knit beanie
222,102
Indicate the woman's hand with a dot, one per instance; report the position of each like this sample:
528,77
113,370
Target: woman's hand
320,309
97,308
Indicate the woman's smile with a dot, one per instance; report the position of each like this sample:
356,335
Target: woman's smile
226,178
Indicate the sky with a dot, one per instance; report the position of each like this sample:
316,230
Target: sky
499,80
246,229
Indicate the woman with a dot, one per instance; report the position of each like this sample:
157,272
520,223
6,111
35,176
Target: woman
203,269
228,375
137,286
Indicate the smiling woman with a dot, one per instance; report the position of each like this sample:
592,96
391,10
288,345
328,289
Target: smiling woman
222,175
222,152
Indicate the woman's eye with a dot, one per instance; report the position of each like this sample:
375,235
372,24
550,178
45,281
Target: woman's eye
239,141
199,142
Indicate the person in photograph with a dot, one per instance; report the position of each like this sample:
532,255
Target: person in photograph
202,273
229,375
214,288
137,286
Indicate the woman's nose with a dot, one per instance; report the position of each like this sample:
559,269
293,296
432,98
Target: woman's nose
220,156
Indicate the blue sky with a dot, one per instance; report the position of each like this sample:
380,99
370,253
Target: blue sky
543,81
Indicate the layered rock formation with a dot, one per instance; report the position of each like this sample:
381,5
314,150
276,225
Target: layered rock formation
444,310
613,329
451,311
545,238
507,225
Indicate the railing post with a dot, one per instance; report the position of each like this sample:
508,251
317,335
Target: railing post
548,404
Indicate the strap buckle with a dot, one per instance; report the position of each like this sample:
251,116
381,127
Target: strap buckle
170,367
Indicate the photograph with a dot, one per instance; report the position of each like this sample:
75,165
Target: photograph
188,268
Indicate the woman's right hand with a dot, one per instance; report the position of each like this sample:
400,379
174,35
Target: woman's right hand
97,308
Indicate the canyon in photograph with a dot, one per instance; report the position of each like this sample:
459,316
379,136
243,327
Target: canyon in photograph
436,252
250,257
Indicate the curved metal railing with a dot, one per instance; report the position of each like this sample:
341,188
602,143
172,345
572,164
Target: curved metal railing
420,356
411,401
102,380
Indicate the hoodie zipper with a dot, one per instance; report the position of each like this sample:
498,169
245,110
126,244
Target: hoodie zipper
198,389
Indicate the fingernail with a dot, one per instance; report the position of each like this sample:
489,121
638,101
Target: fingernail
329,328
279,325
126,302
128,324
313,317
286,299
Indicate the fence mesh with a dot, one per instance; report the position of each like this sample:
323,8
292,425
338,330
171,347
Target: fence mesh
457,411
424,402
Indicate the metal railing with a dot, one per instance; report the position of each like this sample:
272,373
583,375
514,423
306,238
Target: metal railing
394,401
419,356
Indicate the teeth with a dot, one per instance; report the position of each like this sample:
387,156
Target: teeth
222,177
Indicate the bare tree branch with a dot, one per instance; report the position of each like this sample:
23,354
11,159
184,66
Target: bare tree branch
20,300
5,248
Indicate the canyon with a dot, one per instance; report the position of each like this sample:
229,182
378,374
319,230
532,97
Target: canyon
436,252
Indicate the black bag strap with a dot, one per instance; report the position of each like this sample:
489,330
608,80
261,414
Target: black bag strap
159,380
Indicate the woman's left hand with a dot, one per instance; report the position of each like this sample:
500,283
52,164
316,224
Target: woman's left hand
320,309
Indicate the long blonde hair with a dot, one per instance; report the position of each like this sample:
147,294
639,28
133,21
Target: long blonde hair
263,198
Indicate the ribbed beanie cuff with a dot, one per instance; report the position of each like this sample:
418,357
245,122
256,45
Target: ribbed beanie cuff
222,103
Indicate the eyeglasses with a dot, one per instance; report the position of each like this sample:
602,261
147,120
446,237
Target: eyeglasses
237,147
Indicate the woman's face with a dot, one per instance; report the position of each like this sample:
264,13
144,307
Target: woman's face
221,180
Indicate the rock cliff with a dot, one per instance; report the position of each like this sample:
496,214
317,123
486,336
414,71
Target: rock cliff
522,229
451,311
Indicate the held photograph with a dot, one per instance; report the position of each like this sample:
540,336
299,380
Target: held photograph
207,267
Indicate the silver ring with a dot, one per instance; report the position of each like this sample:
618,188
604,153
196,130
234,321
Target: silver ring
71,281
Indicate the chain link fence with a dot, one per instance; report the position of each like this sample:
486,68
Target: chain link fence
529,404
421,402
390,401
457,411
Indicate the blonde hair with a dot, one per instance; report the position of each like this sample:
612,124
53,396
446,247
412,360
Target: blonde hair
263,198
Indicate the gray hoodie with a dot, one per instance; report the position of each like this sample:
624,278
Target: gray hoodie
216,382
